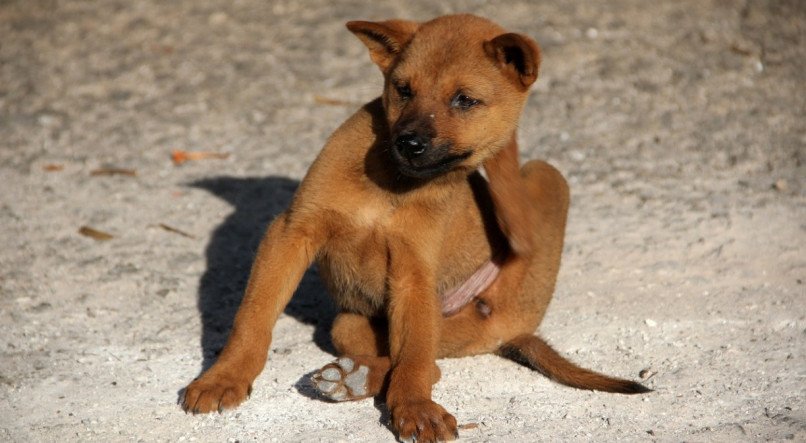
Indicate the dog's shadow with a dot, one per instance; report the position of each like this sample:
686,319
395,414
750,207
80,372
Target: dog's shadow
232,247
306,388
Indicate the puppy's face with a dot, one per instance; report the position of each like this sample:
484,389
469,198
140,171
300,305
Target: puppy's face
454,89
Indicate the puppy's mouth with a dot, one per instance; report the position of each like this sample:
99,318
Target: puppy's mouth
430,169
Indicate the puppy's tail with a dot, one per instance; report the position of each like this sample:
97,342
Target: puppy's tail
532,352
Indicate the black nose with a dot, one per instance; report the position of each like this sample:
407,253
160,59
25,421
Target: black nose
411,144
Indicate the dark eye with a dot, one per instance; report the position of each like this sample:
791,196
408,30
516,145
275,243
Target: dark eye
404,91
463,102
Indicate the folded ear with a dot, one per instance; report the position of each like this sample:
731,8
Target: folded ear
516,54
385,40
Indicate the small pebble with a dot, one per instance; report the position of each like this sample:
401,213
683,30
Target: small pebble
577,155
780,185
646,373
217,18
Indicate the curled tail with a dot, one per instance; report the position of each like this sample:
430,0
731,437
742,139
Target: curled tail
532,352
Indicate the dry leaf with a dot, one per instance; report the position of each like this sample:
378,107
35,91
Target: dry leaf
53,167
95,234
741,49
178,156
162,49
467,426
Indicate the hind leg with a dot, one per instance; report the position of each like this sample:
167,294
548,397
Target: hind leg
548,191
363,365
517,301
505,316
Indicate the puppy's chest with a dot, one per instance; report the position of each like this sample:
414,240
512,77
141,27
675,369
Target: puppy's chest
355,261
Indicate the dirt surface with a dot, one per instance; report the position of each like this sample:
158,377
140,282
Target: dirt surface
680,126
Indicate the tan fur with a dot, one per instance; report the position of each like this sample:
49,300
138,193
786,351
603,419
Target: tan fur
388,243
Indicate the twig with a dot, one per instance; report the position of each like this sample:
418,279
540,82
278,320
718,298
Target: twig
322,100
95,234
175,230
113,171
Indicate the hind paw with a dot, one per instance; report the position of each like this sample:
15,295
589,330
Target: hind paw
343,380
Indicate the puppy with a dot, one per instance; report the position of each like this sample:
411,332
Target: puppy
424,257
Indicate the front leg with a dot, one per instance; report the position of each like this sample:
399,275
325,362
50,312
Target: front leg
285,252
414,330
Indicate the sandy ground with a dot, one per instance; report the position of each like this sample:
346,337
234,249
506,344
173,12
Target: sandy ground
680,126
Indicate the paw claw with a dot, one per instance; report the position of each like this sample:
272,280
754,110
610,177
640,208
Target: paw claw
214,392
425,421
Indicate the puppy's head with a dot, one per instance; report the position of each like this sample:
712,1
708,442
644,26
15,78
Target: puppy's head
454,88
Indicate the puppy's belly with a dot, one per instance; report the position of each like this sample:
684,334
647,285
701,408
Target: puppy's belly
361,288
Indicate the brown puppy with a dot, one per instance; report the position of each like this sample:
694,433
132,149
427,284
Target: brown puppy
424,257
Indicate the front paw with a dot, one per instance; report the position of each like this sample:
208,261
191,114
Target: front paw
423,421
215,392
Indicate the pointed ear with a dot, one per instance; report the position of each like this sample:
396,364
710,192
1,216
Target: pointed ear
517,55
385,40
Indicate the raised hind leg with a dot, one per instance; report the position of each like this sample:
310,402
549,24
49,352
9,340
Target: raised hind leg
517,300
504,317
